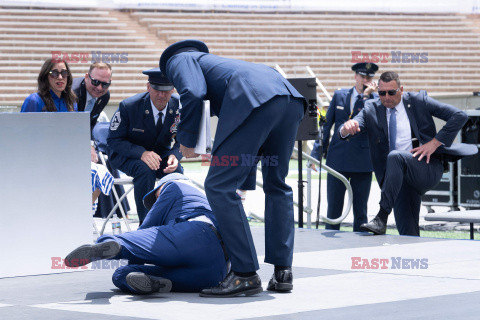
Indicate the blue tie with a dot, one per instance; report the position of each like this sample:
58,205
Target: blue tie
90,104
392,130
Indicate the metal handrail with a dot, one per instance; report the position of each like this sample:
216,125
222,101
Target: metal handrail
341,178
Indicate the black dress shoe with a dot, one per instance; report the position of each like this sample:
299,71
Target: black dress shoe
233,286
377,226
91,252
145,284
281,281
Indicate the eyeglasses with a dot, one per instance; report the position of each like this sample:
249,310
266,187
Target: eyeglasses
96,82
55,73
390,92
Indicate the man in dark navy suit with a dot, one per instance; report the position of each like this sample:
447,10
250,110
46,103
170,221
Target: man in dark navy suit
259,112
141,135
177,247
350,157
92,93
407,151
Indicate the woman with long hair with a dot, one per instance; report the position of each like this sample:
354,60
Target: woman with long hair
55,95
54,89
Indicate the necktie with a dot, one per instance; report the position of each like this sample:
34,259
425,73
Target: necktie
392,130
159,125
90,104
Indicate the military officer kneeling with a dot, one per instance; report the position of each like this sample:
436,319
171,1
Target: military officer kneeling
141,134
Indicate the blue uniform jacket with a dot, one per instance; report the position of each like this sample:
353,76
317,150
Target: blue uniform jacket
132,130
178,201
234,88
347,155
420,110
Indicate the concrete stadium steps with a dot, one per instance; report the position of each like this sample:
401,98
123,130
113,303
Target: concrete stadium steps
324,41
29,36
313,17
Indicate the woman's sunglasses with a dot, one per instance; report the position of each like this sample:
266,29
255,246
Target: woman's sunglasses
55,73
390,92
96,82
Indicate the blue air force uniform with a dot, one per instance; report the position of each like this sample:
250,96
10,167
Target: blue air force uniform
350,157
133,131
173,240
259,112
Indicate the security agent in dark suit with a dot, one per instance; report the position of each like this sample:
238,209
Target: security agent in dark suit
141,135
407,152
259,112
177,247
350,157
92,90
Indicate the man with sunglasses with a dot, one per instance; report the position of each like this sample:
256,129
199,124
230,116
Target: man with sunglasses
141,135
350,157
407,152
92,90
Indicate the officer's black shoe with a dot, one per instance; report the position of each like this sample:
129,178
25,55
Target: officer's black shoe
281,281
145,284
91,252
234,285
377,226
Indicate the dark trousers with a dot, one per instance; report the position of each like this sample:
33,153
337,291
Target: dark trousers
360,182
143,180
187,253
271,128
406,180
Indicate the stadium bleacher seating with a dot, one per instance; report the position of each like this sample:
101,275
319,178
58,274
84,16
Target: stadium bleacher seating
324,41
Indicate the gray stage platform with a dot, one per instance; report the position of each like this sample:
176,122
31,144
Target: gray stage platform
445,285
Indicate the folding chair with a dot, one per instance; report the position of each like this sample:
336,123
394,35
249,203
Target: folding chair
100,133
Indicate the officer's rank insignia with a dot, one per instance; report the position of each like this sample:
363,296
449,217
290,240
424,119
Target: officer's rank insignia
173,128
115,123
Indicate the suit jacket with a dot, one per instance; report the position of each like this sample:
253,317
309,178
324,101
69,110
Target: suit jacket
178,201
420,110
234,87
78,86
132,130
347,155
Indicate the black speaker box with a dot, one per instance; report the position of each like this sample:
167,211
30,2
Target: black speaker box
308,129
470,191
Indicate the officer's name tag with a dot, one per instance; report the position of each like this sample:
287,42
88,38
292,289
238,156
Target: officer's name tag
138,130
340,107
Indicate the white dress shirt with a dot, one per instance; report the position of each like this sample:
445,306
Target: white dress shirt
404,132
156,113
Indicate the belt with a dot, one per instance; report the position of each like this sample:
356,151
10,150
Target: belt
221,241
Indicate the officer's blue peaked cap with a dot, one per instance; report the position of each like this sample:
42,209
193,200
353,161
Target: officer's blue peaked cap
157,80
365,68
150,198
181,46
